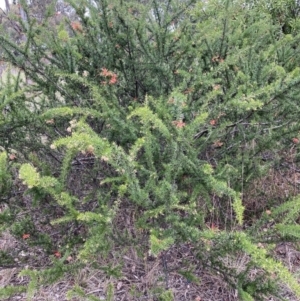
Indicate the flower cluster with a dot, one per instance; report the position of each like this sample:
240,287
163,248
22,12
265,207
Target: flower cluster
178,123
113,78
76,26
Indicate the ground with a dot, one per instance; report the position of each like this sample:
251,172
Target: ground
145,277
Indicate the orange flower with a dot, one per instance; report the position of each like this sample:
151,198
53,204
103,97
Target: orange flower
179,123
105,72
113,76
217,144
57,254
113,79
213,227
76,26
213,122
25,236
295,140
12,157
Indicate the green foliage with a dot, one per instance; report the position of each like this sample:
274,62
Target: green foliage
261,259
161,108
288,230
46,276
5,258
29,175
157,244
10,290
6,218
5,177
287,212
148,118
189,276
32,285
110,292
24,226
78,292
245,296
166,296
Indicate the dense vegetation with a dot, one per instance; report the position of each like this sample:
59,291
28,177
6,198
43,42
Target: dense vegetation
162,111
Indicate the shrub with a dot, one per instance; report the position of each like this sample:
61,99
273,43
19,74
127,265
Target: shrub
169,105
